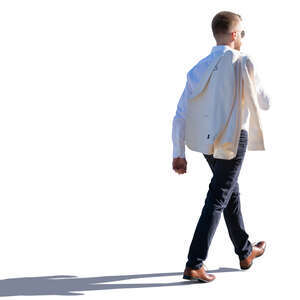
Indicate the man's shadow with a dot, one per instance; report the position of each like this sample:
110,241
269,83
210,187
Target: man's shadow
72,285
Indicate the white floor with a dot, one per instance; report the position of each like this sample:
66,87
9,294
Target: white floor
268,277
90,205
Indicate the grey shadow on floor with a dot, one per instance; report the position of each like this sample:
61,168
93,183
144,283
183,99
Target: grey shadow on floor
70,285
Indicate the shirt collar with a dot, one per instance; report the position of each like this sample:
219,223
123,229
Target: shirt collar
222,48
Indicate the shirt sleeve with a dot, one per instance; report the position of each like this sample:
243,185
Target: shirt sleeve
263,97
178,124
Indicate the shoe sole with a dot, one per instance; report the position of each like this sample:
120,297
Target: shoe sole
196,278
246,268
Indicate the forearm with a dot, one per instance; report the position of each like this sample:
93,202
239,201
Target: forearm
178,125
262,97
178,131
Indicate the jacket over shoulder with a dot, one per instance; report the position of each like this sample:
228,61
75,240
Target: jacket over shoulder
214,108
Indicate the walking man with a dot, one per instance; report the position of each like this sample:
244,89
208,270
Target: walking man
215,113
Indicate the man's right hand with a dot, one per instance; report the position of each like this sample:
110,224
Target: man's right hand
179,165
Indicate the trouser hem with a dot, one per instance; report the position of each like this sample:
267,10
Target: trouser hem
246,255
194,267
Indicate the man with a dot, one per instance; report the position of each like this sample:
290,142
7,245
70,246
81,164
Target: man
223,195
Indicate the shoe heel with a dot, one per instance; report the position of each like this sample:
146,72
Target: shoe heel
246,268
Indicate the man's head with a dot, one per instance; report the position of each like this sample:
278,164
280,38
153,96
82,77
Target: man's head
228,29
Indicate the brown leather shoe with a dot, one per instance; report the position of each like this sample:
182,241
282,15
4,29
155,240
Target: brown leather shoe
198,275
258,250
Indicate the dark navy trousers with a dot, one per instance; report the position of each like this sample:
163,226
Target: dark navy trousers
223,196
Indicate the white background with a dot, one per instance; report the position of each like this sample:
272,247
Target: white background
88,91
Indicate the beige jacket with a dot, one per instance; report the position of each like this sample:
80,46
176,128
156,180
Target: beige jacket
214,108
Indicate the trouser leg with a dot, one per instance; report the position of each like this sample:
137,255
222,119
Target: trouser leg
221,187
235,225
234,219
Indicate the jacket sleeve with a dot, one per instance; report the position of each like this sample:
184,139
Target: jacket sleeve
263,98
178,124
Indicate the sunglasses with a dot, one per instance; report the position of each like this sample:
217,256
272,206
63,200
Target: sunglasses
242,33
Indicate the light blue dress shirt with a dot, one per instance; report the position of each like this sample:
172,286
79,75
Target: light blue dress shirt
178,124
